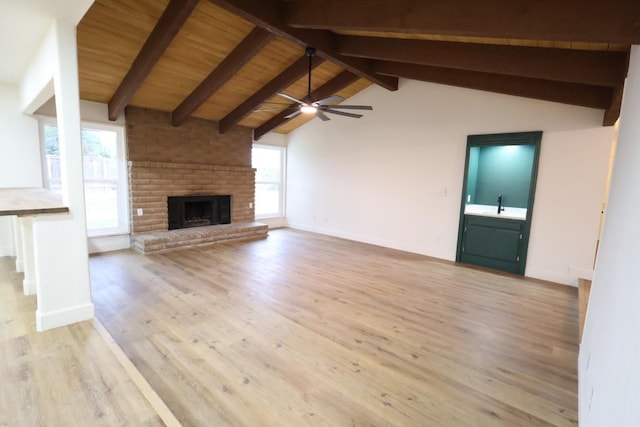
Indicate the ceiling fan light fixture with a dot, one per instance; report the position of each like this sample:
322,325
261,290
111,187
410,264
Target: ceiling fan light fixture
318,108
308,109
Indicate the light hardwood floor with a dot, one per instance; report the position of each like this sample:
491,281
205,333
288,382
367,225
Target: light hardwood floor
63,377
307,330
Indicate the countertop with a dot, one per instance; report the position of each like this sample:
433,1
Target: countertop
492,211
30,201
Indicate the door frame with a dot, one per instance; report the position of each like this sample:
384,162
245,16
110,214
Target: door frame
514,138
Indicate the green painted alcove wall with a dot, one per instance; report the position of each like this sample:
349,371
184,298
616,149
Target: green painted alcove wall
495,170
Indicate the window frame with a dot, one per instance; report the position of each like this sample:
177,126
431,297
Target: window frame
281,183
122,186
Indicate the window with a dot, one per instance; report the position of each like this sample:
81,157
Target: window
105,175
269,163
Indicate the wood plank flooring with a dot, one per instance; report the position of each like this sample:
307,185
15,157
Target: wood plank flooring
301,329
63,377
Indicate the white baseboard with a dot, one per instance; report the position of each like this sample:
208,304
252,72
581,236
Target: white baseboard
333,233
580,273
109,243
552,276
349,236
570,279
67,316
29,287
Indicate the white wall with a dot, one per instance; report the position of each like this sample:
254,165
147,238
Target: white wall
277,139
572,177
20,164
394,177
20,160
609,361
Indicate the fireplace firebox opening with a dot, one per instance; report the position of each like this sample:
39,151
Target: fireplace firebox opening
197,211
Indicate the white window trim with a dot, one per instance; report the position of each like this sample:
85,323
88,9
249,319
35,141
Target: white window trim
123,179
281,185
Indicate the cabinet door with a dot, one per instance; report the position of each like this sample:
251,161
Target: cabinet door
492,242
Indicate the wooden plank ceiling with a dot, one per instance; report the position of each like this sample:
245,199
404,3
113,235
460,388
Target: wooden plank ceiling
224,59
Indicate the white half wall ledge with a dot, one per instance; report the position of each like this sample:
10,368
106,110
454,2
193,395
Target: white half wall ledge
67,316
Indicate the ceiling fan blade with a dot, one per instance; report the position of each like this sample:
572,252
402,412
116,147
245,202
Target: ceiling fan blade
350,107
341,113
329,100
322,116
291,98
292,115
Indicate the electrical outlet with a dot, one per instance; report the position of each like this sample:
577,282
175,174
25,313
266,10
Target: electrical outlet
250,205
139,211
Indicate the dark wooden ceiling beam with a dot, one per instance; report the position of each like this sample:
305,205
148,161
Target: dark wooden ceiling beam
285,79
330,88
575,66
268,14
566,93
612,113
238,58
614,21
170,22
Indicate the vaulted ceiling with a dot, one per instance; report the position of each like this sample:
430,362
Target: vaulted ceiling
224,59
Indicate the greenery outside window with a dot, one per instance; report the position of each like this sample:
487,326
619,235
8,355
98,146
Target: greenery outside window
269,163
105,174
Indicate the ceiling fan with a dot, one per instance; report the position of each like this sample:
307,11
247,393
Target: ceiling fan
308,106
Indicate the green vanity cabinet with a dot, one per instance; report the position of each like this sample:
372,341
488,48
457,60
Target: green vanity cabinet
493,242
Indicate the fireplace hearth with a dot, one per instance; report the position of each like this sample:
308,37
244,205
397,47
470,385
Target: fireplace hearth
198,211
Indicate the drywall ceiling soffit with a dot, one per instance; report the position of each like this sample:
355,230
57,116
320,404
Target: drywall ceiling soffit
225,59
23,26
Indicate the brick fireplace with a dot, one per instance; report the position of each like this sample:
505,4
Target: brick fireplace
190,160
